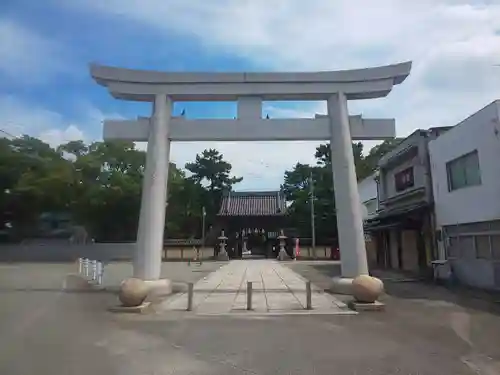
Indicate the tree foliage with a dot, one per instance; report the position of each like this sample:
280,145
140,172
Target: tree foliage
297,187
99,186
209,169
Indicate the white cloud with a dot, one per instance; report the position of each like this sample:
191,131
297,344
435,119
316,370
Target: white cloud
261,164
18,117
454,45
56,137
27,56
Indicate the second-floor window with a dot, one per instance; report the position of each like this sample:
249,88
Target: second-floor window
463,171
404,179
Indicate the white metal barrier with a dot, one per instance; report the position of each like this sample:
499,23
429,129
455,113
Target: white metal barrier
91,269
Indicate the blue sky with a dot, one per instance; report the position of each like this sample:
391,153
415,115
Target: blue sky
46,47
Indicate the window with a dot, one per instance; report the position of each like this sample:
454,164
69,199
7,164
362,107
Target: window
463,171
404,179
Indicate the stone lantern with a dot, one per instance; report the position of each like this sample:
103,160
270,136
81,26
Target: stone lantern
223,252
282,253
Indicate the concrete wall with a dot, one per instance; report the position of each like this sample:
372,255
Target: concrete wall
469,216
107,252
367,189
64,252
418,175
480,132
319,252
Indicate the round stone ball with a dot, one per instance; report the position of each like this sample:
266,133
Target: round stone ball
133,292
367,289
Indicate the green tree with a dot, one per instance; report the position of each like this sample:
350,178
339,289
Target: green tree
210,169
34,177
297,186
107,182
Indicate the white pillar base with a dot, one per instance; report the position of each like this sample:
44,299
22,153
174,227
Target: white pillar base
341,285
159,288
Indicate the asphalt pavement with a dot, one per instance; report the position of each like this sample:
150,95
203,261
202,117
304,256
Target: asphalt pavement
424,330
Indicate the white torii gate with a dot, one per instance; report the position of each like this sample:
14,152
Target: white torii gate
249,90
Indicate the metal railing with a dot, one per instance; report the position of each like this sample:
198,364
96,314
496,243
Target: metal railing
249,295
92,270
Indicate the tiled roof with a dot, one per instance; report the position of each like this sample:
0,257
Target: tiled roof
257,203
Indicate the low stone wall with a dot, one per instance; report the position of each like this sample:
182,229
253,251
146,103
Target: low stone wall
65,252
319,252
186,253
58,251
107,252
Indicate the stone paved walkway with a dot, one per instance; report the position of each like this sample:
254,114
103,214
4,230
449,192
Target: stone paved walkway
276,290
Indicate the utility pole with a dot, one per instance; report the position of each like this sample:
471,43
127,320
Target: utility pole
204,214
311,200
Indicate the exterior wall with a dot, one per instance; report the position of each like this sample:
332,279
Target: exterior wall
473,251
480,132
371,207
409,250
470,216
411,152
367,189
371,252
393,248
389,185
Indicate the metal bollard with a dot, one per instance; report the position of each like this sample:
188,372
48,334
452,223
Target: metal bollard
190,297
249,295
85,267
100,271
94,270
308,296
80,265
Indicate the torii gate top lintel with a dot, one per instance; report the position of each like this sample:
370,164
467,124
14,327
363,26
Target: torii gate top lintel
143,85
250,90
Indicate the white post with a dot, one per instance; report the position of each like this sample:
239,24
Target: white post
100,272
147,262
349,219
94,270
85,267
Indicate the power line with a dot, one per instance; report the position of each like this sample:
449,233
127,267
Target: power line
313,225
7,133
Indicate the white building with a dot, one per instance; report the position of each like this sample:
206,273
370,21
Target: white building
465,166
368,196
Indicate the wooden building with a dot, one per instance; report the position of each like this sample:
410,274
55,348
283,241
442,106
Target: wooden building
252,220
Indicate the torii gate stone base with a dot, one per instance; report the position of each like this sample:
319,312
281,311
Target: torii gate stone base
249,90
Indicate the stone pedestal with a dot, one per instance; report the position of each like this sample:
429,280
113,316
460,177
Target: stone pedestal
367,289
133,292
137,296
